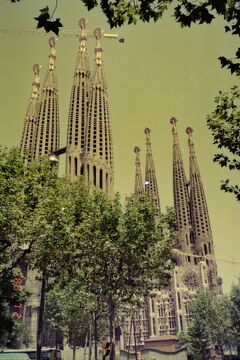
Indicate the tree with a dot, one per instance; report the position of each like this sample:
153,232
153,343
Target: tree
224,123
74,311
34,225
210,329
119,254
67,309
12,252
235,309
57,205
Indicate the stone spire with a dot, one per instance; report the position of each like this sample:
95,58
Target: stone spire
78,109
151,186
138,189
200,218
29,130
98,157
181,198
47,129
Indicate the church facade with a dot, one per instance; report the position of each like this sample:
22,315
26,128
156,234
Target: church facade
166,314
89,153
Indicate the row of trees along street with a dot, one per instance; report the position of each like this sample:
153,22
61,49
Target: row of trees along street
117,253
97,258
215,325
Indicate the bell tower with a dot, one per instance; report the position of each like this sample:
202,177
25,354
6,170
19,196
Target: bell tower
151,186
48,128
181,200
78,109
98,153
202,232
29,130
138,188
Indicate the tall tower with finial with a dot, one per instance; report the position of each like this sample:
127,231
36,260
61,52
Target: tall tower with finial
200,218
98,154
47,129
181,199
29,130
138,188
78,109
151,186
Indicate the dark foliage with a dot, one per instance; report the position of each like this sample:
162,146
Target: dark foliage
44,20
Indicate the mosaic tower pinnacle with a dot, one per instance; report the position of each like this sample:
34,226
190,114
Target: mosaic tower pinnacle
199,215
138,188
181,197
47,129
98,154
29,130
151,186
78,109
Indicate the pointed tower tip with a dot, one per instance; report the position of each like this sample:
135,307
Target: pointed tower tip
52,56
173,120
137,150
98,49
82,23
52,41
98,33
36,81
83,37
189,130
147,131
36,69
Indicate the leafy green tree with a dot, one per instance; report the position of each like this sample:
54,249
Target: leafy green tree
210,329
51,223
235,308
119,254
9,333
37,215
12,252
75,312
69,309
224,124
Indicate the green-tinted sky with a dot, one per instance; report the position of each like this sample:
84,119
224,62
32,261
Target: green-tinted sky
160,71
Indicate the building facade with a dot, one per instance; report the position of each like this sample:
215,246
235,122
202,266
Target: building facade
40,138
89,153
89,137
166,314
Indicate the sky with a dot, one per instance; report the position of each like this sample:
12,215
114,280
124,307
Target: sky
160,71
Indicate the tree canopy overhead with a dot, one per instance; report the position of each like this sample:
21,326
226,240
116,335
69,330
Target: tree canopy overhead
224,123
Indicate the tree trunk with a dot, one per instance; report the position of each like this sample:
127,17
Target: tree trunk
40,317
95,336
56,343
85,348
111,330
90,343
238,349
135,340
130,335
74,352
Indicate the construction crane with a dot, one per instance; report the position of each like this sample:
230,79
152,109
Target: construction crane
65,33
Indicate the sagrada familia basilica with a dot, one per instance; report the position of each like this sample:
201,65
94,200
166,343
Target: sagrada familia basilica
89,153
